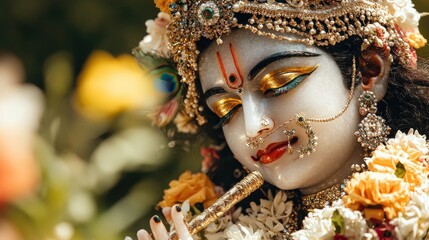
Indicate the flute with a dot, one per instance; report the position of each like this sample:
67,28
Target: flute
241,190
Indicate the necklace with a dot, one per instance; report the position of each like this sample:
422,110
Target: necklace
323,198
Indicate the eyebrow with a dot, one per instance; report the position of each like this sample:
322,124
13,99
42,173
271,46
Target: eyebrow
275,57
212,91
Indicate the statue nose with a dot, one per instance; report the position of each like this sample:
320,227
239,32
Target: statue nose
267,124
255,120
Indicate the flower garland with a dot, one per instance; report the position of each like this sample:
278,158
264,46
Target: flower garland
388,201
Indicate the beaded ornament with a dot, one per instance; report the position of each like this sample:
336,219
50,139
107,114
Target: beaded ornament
316,22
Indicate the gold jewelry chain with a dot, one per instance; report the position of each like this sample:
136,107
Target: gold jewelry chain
349,100
352,90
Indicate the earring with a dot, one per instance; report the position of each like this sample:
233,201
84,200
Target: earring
372,130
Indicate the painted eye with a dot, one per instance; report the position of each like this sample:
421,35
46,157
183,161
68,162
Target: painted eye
225,109
285,79
224,106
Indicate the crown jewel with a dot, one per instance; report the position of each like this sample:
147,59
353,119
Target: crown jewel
315,22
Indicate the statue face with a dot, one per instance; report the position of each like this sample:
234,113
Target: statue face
255,84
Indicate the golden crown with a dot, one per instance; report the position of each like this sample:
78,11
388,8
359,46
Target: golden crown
318,22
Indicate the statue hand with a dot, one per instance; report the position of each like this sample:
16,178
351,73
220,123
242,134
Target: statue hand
159,230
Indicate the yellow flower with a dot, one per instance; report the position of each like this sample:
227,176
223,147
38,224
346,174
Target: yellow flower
404,152
197,188
164,5
377,189
416,40
108,86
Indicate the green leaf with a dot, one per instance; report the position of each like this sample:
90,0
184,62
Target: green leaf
400,170
338,222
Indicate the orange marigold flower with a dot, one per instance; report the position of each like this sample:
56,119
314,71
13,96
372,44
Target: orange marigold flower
377,189
164,5
385,159
197,188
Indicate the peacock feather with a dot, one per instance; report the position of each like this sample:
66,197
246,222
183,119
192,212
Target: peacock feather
162,74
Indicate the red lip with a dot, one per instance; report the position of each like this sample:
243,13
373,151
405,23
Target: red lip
273,152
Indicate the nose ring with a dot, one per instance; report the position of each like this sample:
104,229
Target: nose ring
266,121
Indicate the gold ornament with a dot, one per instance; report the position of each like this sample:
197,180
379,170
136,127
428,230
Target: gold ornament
372,130
241,190
317,22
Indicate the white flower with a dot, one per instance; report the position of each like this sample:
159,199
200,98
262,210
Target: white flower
424,187
355,224
413,223
412,140
159,25
318,224
215,230
270,216
240,232
406,16
184,123
156,40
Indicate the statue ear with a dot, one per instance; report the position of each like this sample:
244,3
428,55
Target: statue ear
375,68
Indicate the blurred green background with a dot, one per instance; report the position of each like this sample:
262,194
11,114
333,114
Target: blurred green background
100,176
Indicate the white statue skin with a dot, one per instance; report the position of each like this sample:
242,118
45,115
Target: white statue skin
322,94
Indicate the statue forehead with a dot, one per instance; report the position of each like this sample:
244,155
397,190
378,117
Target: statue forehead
249,48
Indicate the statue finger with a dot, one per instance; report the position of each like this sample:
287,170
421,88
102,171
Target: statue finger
166,211
143,235
179,223
158,229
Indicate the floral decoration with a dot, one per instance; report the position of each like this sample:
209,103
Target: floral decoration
165,114
164,5
270,216
407,18
184,123
240,232
266,220
319,224
210,155
156,39
154,57
381,203
405,151
370,189
390,199
413,223
195,188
